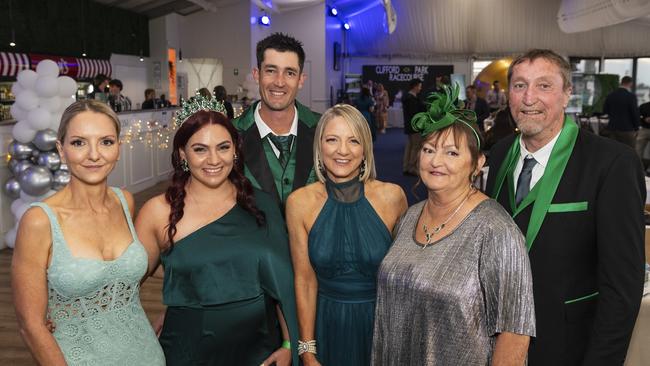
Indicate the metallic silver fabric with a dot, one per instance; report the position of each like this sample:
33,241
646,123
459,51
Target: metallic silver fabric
445,304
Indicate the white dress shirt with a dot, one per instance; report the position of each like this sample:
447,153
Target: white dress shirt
541,156
265,130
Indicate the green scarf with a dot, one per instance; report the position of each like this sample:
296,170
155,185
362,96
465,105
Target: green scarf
542,194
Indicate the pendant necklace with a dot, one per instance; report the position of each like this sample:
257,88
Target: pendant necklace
428,235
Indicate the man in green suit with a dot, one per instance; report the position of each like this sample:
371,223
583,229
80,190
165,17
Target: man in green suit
277,131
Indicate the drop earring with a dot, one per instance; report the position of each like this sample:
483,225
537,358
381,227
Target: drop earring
185,166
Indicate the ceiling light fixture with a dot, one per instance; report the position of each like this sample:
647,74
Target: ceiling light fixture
265,20
12,43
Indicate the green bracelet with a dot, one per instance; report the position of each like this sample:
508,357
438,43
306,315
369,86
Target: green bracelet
286,344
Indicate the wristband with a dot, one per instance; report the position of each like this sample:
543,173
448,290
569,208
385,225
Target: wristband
286,344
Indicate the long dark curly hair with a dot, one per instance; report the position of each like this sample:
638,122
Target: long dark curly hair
176,193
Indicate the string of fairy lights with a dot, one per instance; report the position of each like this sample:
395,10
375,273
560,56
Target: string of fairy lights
153,133
148,133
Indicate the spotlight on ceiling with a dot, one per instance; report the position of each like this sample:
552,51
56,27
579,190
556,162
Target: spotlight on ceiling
265,20
83,54
12,44
333,11
346,26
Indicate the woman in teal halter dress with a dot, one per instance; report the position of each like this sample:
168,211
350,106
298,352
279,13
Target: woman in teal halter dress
228,283
340,230
78,260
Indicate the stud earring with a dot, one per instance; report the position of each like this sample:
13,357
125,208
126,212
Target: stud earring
235,158
185,166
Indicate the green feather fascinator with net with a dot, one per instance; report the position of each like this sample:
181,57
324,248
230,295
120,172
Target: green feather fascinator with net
444,110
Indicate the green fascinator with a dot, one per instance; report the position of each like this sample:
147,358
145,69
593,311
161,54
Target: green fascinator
444,111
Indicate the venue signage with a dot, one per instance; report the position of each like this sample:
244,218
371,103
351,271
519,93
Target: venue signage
396,78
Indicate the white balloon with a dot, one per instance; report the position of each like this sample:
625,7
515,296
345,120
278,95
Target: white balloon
67,86
27,199
65,102
51,104
55,121
47,68
23,132
27,100
16,89
17,112
39,119
20,211
14,205
26,79
47,86
46,195
10,238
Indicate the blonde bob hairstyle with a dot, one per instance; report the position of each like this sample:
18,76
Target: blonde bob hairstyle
359,126
89,105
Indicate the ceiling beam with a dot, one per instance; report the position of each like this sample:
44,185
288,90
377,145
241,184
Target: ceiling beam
150,5
175,6
206,5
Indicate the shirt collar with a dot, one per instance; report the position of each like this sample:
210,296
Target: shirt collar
542,155
265,129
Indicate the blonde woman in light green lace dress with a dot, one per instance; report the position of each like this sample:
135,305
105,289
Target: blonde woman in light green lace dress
78,261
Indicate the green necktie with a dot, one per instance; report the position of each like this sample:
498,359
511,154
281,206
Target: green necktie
283,144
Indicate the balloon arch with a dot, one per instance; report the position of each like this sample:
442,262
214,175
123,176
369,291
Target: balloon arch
41,98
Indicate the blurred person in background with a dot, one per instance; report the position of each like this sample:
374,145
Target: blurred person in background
221,95
118,101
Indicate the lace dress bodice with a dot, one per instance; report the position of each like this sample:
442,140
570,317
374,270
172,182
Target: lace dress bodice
95,304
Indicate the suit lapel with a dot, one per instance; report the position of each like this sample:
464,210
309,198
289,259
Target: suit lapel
256,161
304,155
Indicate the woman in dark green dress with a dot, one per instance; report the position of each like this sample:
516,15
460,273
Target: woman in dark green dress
228,283
340,230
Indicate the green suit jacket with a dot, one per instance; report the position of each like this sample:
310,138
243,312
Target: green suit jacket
260,169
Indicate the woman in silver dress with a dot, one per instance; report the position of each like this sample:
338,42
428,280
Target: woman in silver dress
455,287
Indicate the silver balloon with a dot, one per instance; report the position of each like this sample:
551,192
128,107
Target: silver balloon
20,151
36,180
61,179
36,153
12,188
64,166
50,160
45,140
21,166
12,163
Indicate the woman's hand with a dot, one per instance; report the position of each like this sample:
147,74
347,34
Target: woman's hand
309,359
281,357
157,324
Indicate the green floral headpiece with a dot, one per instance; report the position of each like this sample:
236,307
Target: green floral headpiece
443,111
195,104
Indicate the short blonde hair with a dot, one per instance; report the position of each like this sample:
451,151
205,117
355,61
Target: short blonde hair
359,126
89,105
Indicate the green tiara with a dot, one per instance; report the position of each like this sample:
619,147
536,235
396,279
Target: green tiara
195,104
443,111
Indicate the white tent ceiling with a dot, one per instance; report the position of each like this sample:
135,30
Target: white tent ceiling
489,28
432,28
